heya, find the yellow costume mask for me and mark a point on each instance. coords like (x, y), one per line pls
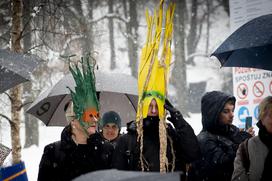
(153, 70)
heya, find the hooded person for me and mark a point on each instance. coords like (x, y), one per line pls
(111, 126)
(81, 149)
(219, 138)
(151, 144)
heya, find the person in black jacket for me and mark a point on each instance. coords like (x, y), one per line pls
(184, 141)
(75, 154)
(219, 138)
(110, 127)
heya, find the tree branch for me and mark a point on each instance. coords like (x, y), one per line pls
(7, 118)
(10, 98)
(24, 104)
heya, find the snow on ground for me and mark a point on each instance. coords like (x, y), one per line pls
(32, 156)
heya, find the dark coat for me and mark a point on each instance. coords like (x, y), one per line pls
(64, 160)
(112, 142)
(218, 143)
(127, 151)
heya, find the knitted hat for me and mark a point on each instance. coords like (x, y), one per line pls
(111, 117)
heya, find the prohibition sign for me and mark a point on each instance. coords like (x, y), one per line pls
(242, 91)
(258, 89)
(270, 87)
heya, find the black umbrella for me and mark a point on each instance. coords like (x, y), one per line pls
(15, 68)
(248, 46)
(118, 175)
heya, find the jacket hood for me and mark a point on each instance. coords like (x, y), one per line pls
(212, 103)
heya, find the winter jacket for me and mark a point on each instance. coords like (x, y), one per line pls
(218, 143)
(253, 160)
(65, 160)
(127, 151)
(257, 153)
(112, 142)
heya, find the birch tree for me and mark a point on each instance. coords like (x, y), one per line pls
(16, 92)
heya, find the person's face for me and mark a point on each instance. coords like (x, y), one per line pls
(267, 121)
(153, 108)
(110, 131)
(89, 120)
(92, 125)
(227, 114)
(91, 129)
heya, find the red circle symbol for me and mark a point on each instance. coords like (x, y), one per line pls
(242, 91)
(258, 89)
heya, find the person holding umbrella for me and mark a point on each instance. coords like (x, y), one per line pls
(81, 149)
(111, 126)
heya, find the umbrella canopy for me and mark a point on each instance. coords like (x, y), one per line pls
(117, 92)
(248, 46)
(118, 175)
(4, 152)
(15, 68)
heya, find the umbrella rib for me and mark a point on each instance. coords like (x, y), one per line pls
(131, 102)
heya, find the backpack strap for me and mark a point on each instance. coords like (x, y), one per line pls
(245, 155)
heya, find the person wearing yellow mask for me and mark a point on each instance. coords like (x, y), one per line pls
(151, 144)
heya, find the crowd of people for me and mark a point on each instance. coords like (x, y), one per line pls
(159, 139)
(211, 155)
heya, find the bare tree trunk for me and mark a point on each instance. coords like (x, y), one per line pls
(225, 4)
(192, 36)
(5, 19)
(208, 4)
(90, 37)
(31, 124)
(179, 70)
(111, 36)
(132, 35)
(87, 27)
(16, 93)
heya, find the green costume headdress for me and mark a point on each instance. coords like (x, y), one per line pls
(85, 102)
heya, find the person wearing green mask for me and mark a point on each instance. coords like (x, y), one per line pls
(81, 148)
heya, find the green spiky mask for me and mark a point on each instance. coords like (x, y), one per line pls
(85, 102)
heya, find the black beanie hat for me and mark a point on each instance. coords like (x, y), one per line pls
(111, 117)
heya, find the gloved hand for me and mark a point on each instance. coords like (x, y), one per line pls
(175, 116)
